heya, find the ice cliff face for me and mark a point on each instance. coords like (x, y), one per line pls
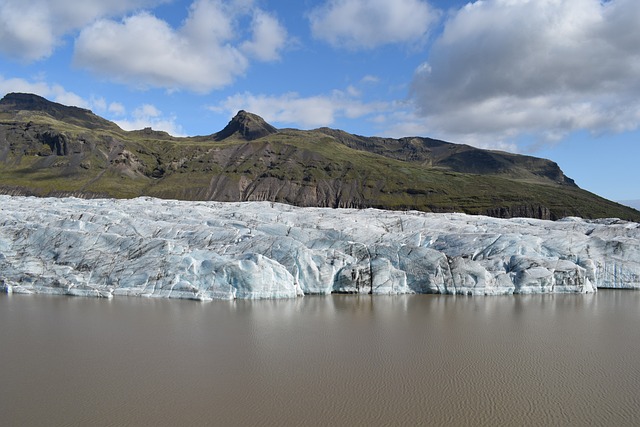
(207, 250)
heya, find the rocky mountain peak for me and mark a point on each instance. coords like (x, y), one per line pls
(31, 102)
(16, 102)
(23, 101)
(247, 126)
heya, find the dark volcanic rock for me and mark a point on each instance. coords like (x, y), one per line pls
(246, 125)
(75, 115)
(31, 102)
(527, 211)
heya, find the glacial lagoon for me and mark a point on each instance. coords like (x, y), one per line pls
(554, 359)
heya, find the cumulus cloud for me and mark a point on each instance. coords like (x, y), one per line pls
(506, 68)
(117, 109)
(31, 29)
(403, 121)
(394, 119)
(148, 115)
(268, 37)
(207, 52)
(52, 92)
(368, 24)
(308, 112)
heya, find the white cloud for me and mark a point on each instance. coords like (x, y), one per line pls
(53, 92)
(98, 104)
(117, 109)
(505, 68)
(370, 79)
(57, 93)
(207, 52)
(31, 29)
(308, 112)
(392, 119)
(148, 115)
(404, 122)
(268, 37)
(367, 24)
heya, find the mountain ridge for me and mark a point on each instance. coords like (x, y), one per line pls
(48, 149)
(76, 115)
(246, 125)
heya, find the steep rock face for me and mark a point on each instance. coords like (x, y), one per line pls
(206, 250)
(526, 211)
(246, 126)
(324, 193)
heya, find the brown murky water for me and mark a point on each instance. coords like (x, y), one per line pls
(338, 360)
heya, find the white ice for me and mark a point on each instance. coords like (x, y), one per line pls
(211, 250)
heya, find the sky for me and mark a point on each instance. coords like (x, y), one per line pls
(558, 79)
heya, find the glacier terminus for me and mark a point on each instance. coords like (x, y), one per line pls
(212, 250)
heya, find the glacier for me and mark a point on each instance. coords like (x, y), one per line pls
(212, 250)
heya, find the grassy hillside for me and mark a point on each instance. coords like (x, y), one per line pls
(50, 149)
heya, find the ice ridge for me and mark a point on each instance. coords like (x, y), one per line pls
(212, 250)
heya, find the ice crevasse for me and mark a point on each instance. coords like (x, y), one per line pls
(212, 250)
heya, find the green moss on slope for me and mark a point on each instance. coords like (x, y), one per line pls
(46, 154)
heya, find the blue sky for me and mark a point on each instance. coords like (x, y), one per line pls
(553, 78)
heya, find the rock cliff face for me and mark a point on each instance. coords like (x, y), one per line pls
(526, 211)
(48, 149)
(206, 250)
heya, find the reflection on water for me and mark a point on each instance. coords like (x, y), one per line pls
(336, 360)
